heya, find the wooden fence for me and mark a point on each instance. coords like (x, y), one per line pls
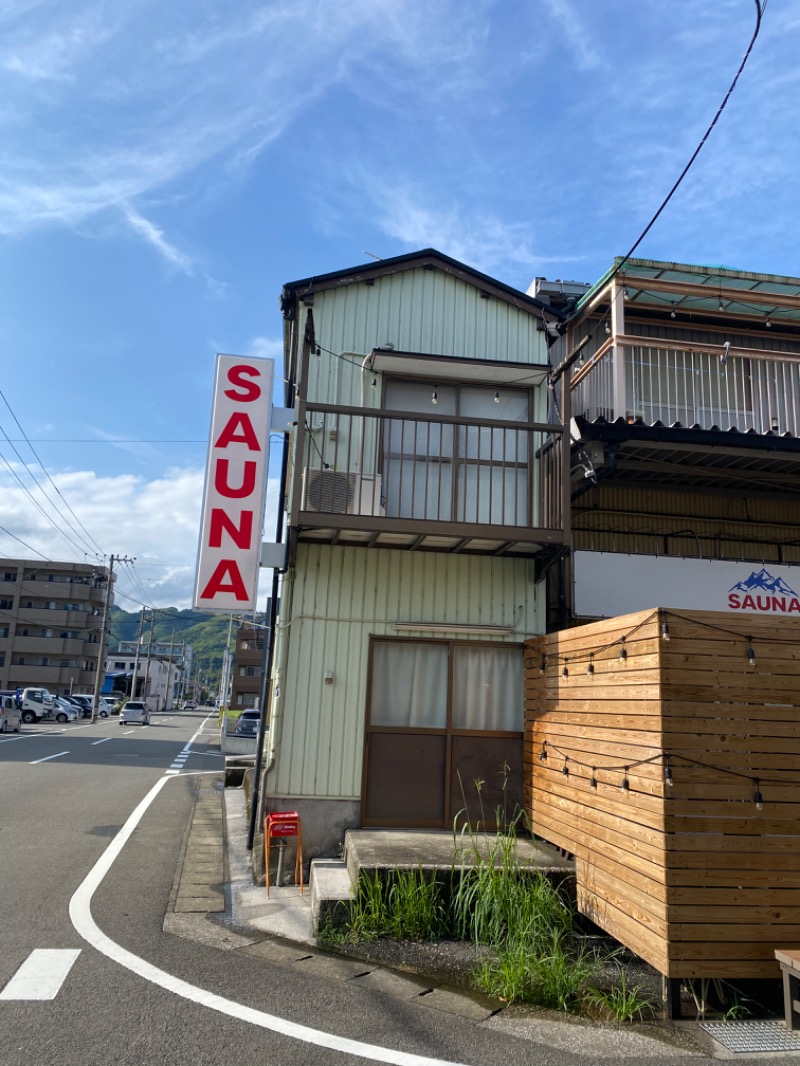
(662, 750)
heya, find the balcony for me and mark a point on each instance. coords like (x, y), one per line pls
(706, 416)
(390, 479)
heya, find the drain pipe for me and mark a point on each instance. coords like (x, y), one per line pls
(269, 643)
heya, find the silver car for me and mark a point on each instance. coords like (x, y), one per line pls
(64, 711)
(10, 716)
(134, 712)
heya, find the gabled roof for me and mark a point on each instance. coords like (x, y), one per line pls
(427, 259)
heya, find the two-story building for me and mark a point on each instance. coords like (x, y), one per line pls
(427, 492)
(682, 388)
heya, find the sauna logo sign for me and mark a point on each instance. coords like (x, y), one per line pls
(763, 592)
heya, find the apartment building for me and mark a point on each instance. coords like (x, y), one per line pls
(51, 617)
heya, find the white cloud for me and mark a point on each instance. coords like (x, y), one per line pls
(577, 34)
(154, 236)
(156, 522)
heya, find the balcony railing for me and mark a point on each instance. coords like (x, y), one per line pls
(385, 470)
(708, 386)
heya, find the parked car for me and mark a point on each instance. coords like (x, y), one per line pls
(10, 714)
(64, 711)
(134, 712)
(247, 724)
(190, 705)
(35, 704)
(76, 703)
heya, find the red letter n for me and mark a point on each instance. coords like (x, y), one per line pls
(241, 535)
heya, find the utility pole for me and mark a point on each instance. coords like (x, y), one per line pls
(101, 652)
(168, 700)
(149, 656)
(136, 657)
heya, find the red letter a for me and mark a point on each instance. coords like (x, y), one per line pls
(235, 585)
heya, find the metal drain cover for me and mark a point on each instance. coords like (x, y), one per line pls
(753, 1036)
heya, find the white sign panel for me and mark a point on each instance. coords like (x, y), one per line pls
(236, 476)
(608, 584)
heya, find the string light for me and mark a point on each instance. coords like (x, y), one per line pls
(751, 655)
(672, 312)
(565, 671)
(623, 651)
(667, 771)
(665, 630)
(593, 781)
(565, 771)
(758, 799)
(543, 752)
(721, 304)
(590, 666)
(373, 383)
(497, 396)
(435, 397)
(543, 664)
(767, 322)
(625, 786)
(608, 327)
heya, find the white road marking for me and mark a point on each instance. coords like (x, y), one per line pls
(47, 758)
(41, 974)
(127, 731)
(95, 742)
(80, 912)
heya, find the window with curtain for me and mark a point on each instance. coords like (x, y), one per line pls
(410, 686)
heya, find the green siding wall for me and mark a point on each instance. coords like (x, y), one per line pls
(331, 604)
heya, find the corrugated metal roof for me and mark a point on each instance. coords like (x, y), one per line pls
(773, 295)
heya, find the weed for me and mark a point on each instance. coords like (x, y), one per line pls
(624, 1002)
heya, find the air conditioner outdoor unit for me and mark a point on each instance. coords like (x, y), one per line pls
(338, 492)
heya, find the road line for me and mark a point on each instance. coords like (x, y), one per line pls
(47, 758)
(80, 912)
(127, 731)
(41, 974)
(94, 742)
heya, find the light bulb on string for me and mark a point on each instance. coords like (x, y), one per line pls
(758, 799)
(543, 752)
(543, 664)
(667, 771)
(435, 397)
(590, 665)
(565, 771)
(767, 322)
(625, 785)
(623, 651)
(497, 396)
(751, 655)
(608, 327)
(373, 383)
(665, 630)
(593, 780)
(672, 311)
(565, 671)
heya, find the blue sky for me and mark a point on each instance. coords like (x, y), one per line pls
(164, 168)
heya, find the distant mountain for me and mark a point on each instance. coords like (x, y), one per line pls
(206, 632)
(763, 579)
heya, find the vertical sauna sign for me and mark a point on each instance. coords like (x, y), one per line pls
(235, 485)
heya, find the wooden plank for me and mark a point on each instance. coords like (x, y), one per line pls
(745, 916)
(735, 896)
(641, 939)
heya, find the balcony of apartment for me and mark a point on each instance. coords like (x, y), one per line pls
(50, 646)
(711, 404)
(433, 482)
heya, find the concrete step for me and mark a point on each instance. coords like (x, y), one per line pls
(330, 886)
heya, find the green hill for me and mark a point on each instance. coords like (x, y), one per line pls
(207, 633)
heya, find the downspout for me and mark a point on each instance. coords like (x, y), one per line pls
(269, 646)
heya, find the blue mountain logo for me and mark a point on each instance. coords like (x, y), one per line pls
(763, 580)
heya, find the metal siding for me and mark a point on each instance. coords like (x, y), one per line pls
(342, 596)
(637, 522)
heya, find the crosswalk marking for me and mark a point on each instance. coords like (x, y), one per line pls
(41, 974)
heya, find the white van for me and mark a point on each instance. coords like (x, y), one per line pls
(10, 715)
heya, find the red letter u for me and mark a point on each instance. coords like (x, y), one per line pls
(222, 485)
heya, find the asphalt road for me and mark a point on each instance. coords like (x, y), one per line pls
(65, 795)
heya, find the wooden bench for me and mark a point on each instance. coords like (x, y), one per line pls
(789, 958)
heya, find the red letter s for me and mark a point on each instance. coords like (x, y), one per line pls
(251, 391)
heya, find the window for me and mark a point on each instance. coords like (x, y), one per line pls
(4, 631)
(248, 699)
(68, 662)
(410, 687)
(6, 605)
(450, 472)
(119, 666)
(47, 632)
(249, 671)
(2, 658)
(10, 575)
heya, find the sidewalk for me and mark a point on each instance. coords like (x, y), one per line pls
(214, 901)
